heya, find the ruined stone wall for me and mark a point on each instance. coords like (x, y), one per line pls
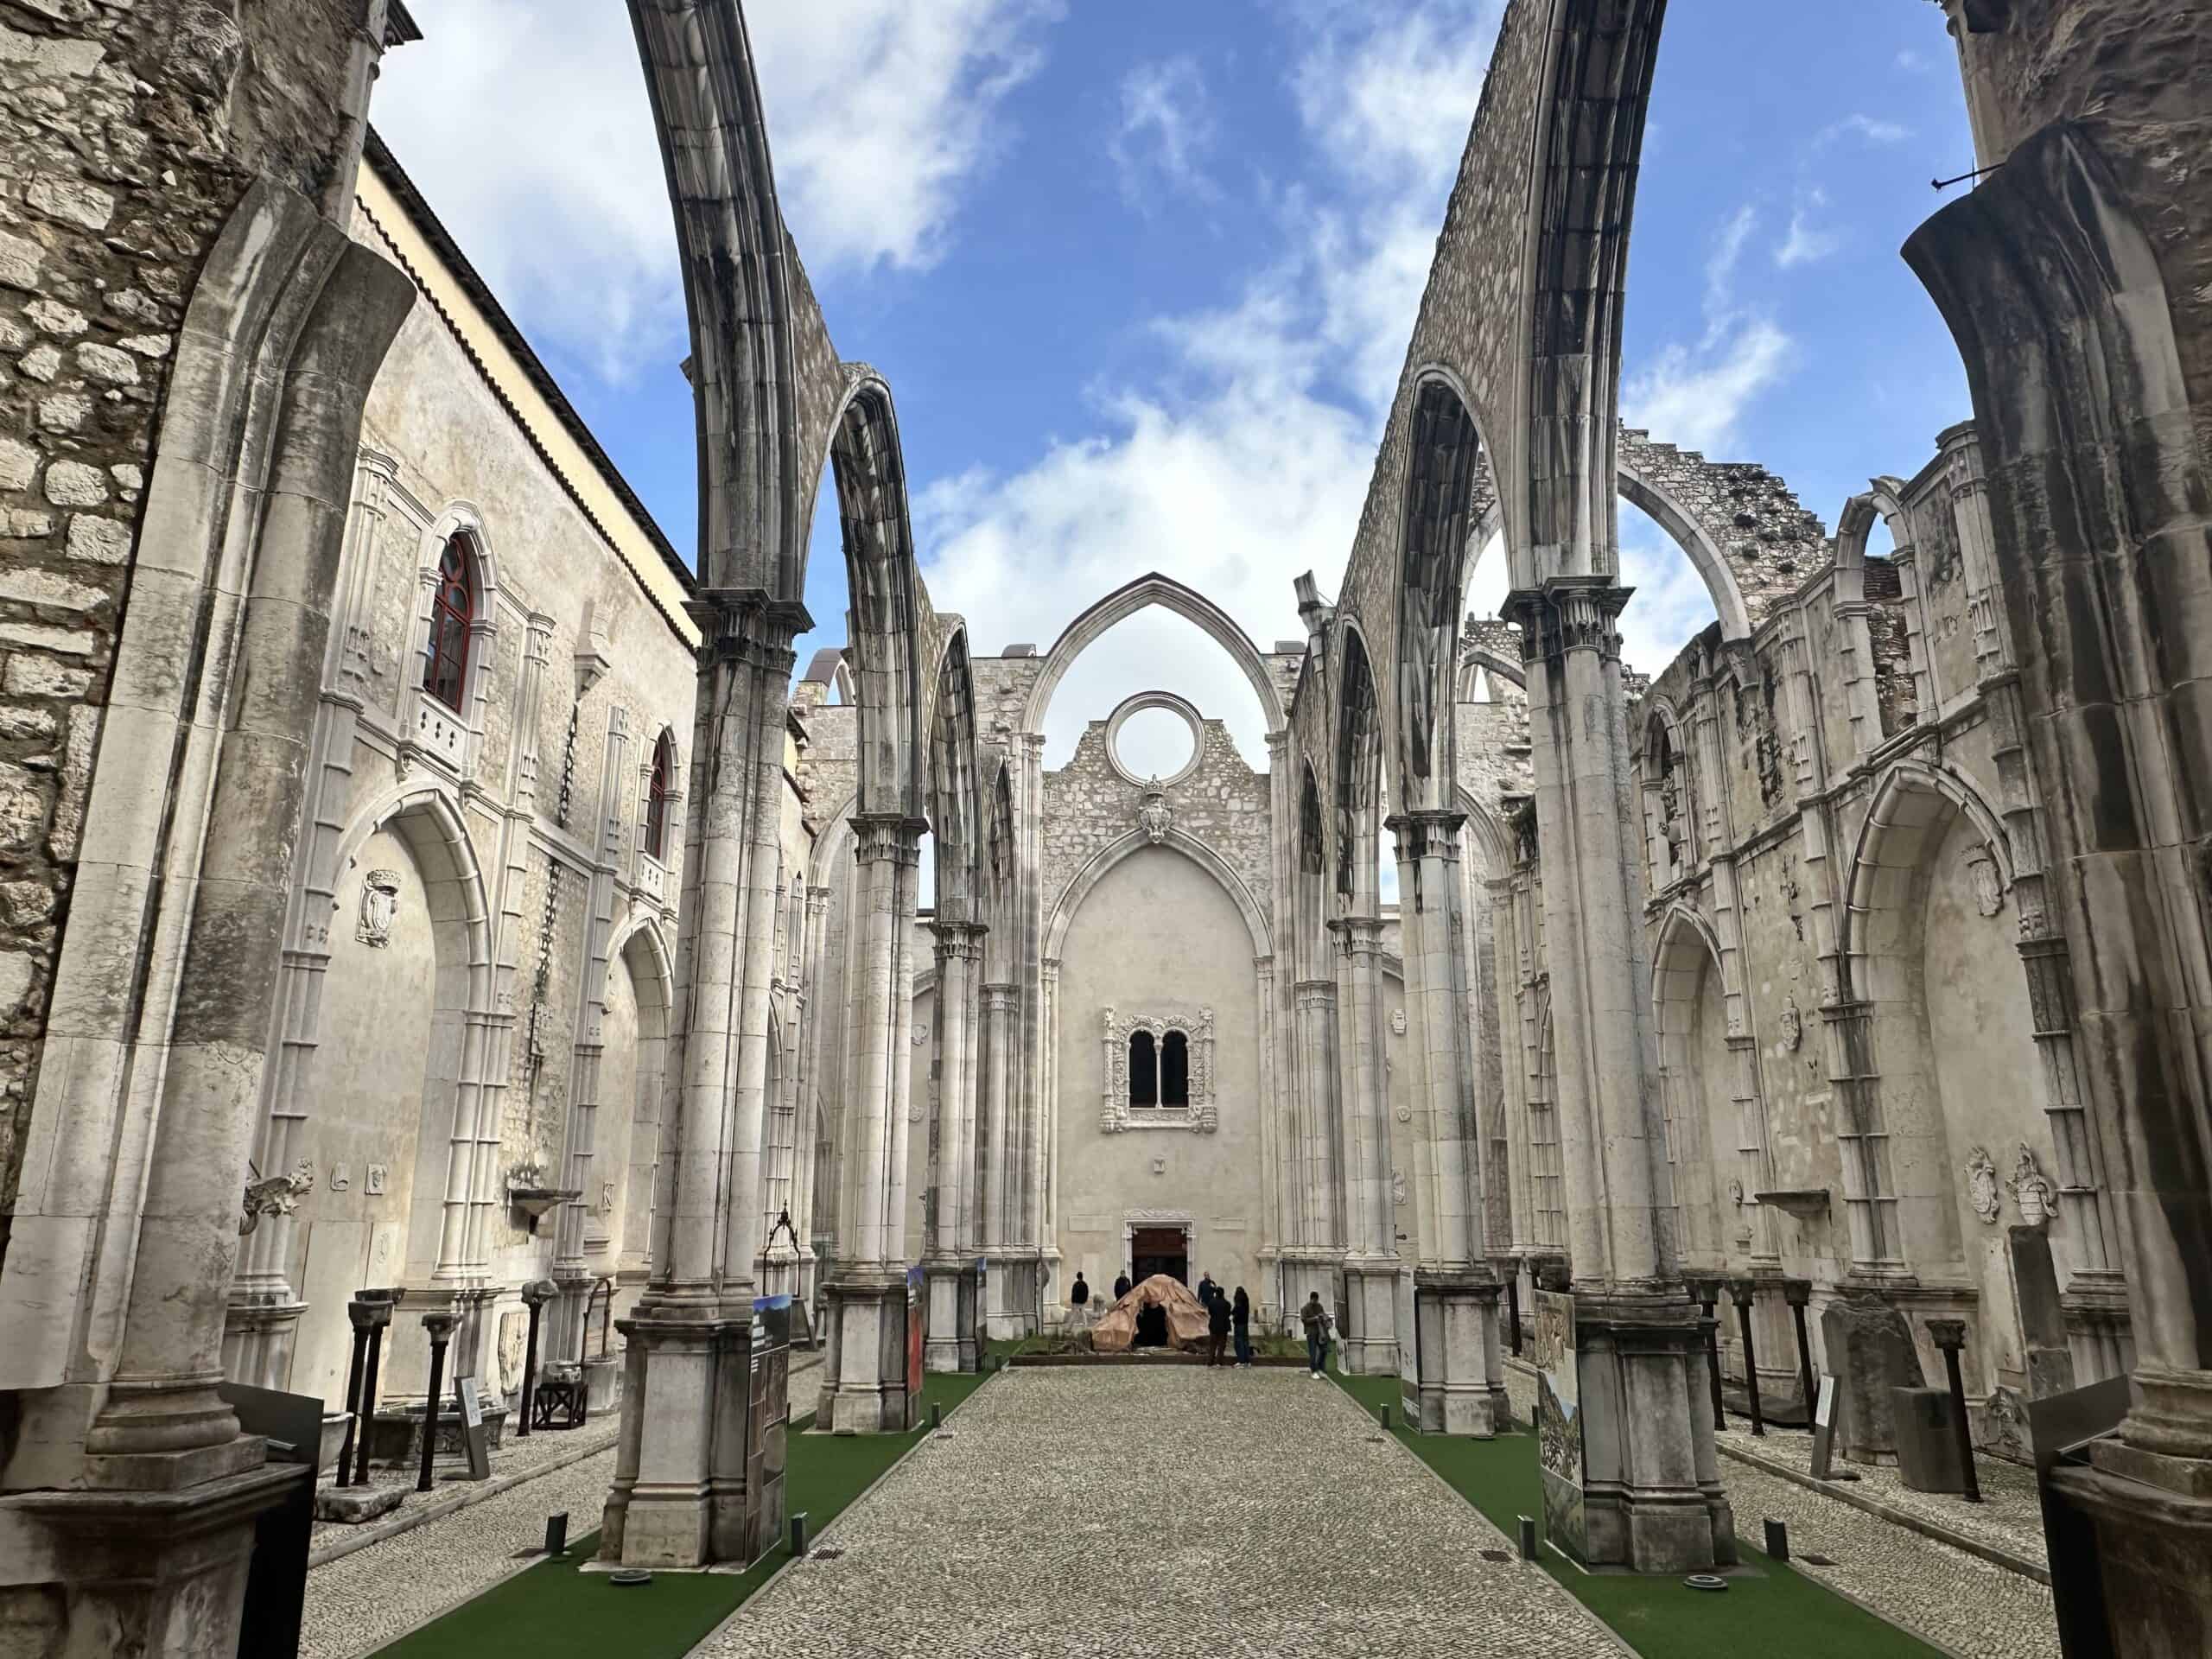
(127, 135)
(1771, 542)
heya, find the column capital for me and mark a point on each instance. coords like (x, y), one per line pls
(895, 837)
(1360, 936)
(1565, 613)
(748, 626)
(1427, 832)
(963, 941)
(1002, 999)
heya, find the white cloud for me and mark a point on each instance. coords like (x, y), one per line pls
(1912, 62)
(1806, 241)
(1696, 397)
(1248, 461)
(1166, 128)
(526, 124)
(1727, 251)
(1872, 129)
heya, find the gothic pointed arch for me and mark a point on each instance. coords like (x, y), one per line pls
(1146, 591)
(956, 802)
(1357, 740)
(1136, 840)
(1443, 449)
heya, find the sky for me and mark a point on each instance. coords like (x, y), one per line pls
(1141, 275)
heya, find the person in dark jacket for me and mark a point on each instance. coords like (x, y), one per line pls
(1121, 1286)
(1217, 1320)
(1240, 1321)
(1079, 1293)
(1315, 1319)
(1207, 1290)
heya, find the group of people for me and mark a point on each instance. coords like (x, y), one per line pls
(1231, 1315)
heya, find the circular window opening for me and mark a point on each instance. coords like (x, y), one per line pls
(1154, 743)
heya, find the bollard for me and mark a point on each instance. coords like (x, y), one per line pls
(1527, 1538)
(1383, 1414)
(798, 1533)
(1777, 1539)
(937, 1415)
(556, 1533)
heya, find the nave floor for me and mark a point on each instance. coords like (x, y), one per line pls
(1165, 1512)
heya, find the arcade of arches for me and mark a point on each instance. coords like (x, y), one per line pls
(510, 912)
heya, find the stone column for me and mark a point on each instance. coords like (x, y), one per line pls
(952, 1315)
(1456, 1329)
(864, 1384)
(1002, 1007)
(681, 1496)
(1650, 1502)
(1371, 1336)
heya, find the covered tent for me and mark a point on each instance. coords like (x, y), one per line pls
(1186, 1317)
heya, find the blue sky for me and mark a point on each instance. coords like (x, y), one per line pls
(1141, 275)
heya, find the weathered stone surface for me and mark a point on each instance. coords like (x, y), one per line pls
(42, 676)
(107, 364)
(1926, 1443)
(49, 590)
(1869, 1347)
(69, 642)
(46, 54)
(65, 411)
(22, 809)
(72, 200)
(73, 484)
(41, 363)
(100, 541)
(351, 1505)
(18, 465)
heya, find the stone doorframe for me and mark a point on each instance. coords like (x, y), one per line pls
(1133, 1220)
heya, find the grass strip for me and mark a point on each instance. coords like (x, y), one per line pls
(556, 1608)
(1782, 1613)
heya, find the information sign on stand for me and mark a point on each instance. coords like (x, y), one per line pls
(1824, 1430)
(471, 1428)
(1558, 1421)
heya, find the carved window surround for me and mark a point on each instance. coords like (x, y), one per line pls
(1116, 1115)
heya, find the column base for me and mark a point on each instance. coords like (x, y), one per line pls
(2149, 1519)
(1011, 1295)
(1652, 1500)
(259, 1332)
(1455, 1386)
(951, 1344)
(1369, 1344)
(139, 1574)
(708, 1486)
(865, 1376)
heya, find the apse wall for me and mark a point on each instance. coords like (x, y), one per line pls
(1158, 936)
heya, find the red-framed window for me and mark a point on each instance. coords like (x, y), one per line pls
(453, 609)
(657, 790)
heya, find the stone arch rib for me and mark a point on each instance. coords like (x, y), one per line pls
(1443, 451)
(884, 584)
(1146, 591)
(1136, 840)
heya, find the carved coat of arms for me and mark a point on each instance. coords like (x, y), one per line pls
(380, 904)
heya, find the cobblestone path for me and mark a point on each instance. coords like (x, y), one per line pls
(1160, 1512)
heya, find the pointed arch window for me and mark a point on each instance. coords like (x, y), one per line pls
(453, 616)
(659, 786)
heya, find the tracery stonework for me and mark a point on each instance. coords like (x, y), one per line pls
(1116, 1112)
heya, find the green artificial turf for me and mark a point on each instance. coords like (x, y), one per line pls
(554, 1607)
(1778, 1611)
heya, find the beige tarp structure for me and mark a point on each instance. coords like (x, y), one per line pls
(1186, 1320)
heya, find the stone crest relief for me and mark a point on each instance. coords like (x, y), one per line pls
(1397, 1186)
(1793, 1025)
(1981, 1186)
(1155, 817)
(379, 905)
(1982, 875)
(2033, 1192)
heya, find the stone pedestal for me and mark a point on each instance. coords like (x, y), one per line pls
(864, 1373)
(951, 1344)
(1456, 1387)
(681, 1497)
(1870, 1348)
(1370, 1346)
(1928, 1445)
(135, 1575)
(1652, 1497)
(2154, 1547)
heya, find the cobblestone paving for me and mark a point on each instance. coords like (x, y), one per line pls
(1116, 1512)
(513, 1457)
(363, 1600)
(2009, 1516)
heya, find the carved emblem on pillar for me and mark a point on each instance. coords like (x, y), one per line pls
(1793, 1025)
(1981, 1185)
(1397, 1186)
(379, 906)
(1988, 884)
(2031, 1191)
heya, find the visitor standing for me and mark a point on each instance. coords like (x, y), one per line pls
(1239, 1319)
(1315, 1319)
(1080, 1292)
(1217, 1328)
(1207, 1289)
(1121, 1287)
